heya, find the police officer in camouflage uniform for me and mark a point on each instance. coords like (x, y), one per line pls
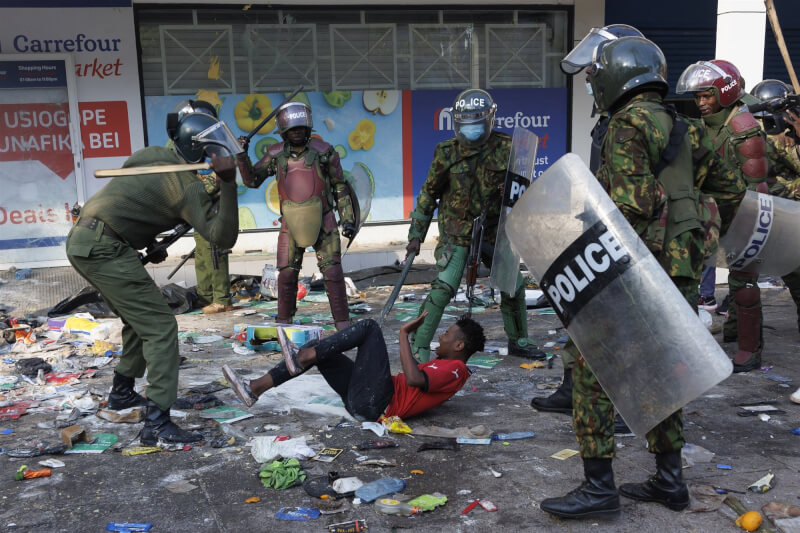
(784, 165)
(127, 215)
(628, 80)
(718, 90)
(465, 180)
(213, 284)
(311, 184)
(573, 63)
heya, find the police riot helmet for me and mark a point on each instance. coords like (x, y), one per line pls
(625, 65)
(580, 57)
(183, 135)
(765, 91)
(718, 76)
(473, 117)
(293, 115)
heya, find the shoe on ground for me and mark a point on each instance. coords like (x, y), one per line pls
(723, 307)
(214, 308)
(795, 397)
(123, 395)
(525, 348)
(751, 364)
(241, 387)
(709, 303)
(158, 427)
(290, 351)
(596, 497)
(560, 401)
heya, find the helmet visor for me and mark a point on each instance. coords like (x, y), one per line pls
(218, 137)
(580, 57)
(699, 77)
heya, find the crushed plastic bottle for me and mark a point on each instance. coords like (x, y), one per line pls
(513, 435)
(389, 506)
(381, 487)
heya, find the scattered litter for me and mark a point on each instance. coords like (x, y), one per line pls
(375, 427)
(348, 527)
(140, 450)
(750, 521)
(443, 444)
(225, 414)
(487, 505)
(102, 442)
(281, 475)
(466, 432)
(52, 463)
(41, 448)
(465, 440)
(126, 527)
(495, 473)
(796, 431)
(390, 506)
(395, 424)
(377, 444)
(73, 434)
(724, 467)
(131, 415)
(197, 401)
(483, 361)
(253, 499)
(564, 454)
(243, 350)
(777, 378)
(379, 462)
(532, 365)
(470, 507)
(297, 514)
(7, 431)
(704, 498)
(516, 435)
(763, 417)
(381, 487)
(693, 454)
(776, 510)
(266, 449)
(464, 492)
(344, 485)
(763, 484)
(327, 455)
(180, 487)
(26, 473)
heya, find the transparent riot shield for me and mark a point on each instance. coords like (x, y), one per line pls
(520, 174)
(642, 340)
(764, 236)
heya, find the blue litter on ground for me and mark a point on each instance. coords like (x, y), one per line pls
(725, 467)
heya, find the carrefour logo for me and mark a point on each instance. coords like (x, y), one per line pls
(443, 120)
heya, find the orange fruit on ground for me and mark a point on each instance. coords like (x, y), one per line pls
(749, 521)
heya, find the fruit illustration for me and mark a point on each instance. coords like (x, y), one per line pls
(271, 196)
(263, 144)
(212, 97)
(299, 97)
(341, 150)
(337, 98)
(246, 218)
(251, 111)
(383, 102)
(363, 137)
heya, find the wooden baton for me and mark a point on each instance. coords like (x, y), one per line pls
(155, 169)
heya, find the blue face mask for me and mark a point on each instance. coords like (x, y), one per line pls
(472, 132)
(207, 171)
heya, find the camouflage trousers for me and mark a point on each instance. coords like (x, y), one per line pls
(593, 412)
(213, 285)
(730, 327)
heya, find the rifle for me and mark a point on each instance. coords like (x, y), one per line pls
(474, 258)
(158, 249)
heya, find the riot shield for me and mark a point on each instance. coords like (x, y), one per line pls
(647, 347)
(520, 174)
(764, 236)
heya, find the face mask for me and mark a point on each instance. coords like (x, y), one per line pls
(589, 89)
(207, 171)
(472, 132)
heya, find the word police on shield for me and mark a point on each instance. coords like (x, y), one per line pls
(516, 187)
(584, 269)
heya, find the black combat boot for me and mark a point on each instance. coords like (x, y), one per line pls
(526, 349)
(122, 394)
(561, 400)
(159, 427)
(595, 497)
(665, 487)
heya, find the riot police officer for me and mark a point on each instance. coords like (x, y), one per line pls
(310, 184)
(127, 215)
(465, 181)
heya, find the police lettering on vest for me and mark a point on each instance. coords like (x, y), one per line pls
(758, 239)
(583, 269)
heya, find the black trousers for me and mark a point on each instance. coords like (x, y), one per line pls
(365, 384)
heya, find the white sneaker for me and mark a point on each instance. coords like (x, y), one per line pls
(795, 397)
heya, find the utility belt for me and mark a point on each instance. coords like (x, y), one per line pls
(92, 223)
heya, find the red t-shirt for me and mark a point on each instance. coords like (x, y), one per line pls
(445, 378)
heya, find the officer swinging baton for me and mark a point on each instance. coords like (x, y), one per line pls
(158, 169)
(397, 287)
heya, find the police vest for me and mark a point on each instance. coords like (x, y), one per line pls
(675, 173)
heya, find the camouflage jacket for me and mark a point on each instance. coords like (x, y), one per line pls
(632, 148)
(461, 183)
(784, 169)
(726, 141)
(318, 155)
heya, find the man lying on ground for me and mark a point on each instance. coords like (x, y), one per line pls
(366, 385)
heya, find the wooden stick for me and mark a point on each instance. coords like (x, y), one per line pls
(776, 29)
(155, 169)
